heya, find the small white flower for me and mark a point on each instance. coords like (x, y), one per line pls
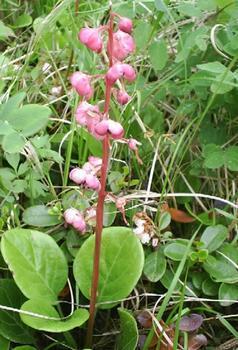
(139, 230)
(145, 238)
(155, 242)
(139, 222)
(56, 90)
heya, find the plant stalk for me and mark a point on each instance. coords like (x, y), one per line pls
(101, 199)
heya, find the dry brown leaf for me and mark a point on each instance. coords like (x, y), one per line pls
(178, 215)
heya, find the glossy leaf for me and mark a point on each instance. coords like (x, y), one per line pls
(4, 343)
(121, 265)
(11, 326)
(220, 269)
(42, 307)
(38, 264)
(38, 215)
(190, 323)
(228, 292)
(214, 236)
(155, 266)
(175, 251)
(129, 335)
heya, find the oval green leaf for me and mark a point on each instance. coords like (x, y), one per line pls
(128, 338)
(13, 142)
(39, 267)
(121, 264)
(41, 307)
(38, 215)
(214, 236)
(228, 292)
(155, 266)
(175, 251)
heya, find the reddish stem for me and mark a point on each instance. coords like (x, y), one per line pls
(101, 199)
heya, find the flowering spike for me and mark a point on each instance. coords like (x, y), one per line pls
(81, 83)
(125, 24)
(91, 38)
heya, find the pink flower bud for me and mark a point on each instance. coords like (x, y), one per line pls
(123, 45)
(79, 223)
(93, 182)
(114, 73)
(132, 144)
(116, 130)
(95, 161)
(125, 24)
(122, 97)
(101, 128)
(87, 167)
(78, 175)
(91, 38)
(128, 72)
(70, 215)
(81, 83)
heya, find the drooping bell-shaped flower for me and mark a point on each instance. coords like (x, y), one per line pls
(81, 83)
(92, 182)
(91, 37)
(74, 217)
(119, 70)
(122, 97)
(78, 175)
(123, 45)
(115, 129)
(125, 24)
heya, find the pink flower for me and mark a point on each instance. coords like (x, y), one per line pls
(91, 38)
(82, 112)
(119, 70)
(132, 144)
(115, 129)
(92, 182)
(81, 83)
(123, 45)
(114, 73)
(79, 223)
(95, 161)
(101, 128)
(125, 24)
(78, 175)
(128, 72)
(122, 97)
(70, 215)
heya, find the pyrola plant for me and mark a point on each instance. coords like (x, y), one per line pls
(115, 41)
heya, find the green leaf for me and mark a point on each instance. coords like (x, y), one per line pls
(158, 54)
(5, 31)
(231, 158)
(42, 307)
(155, 266)
(38, 215)
(22, 21)
(129, 335)
(228, 292)
(109, 214)
(220, 269)
(213, 67)
(11, 326)
(4, 343)
(141, 40)
(164, 220)
(29, 119)
(12, 104)
(214, 156)
(175, 251)
(161, 5)
(38, 264)
(121, 264)
(13, 143)
(209, 287)
(5, 128)
(189, 10)
(214, 236)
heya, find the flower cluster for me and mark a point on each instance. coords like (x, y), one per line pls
(87, 175)
(80, 220)
(145, 229)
